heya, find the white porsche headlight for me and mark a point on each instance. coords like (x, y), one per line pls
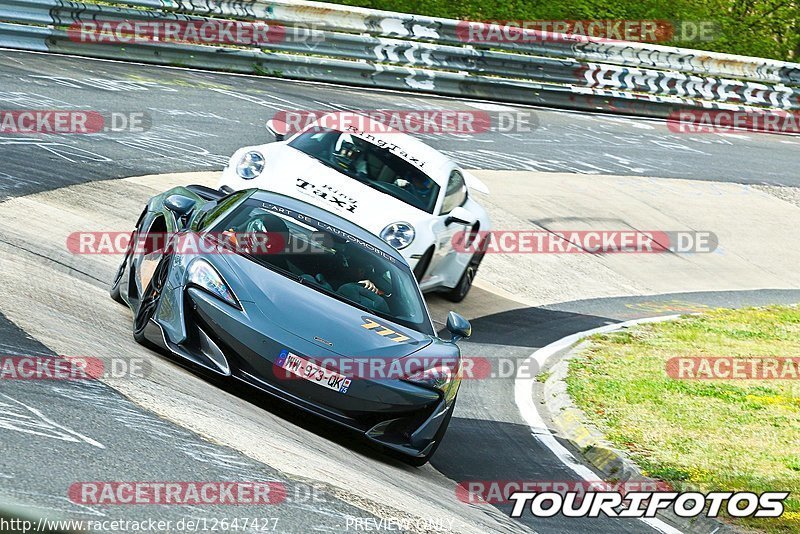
(201, 274)
(250, 166)
(398, 234)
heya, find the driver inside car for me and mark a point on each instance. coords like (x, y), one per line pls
(417, 184)
(364, 284)
(360, 270)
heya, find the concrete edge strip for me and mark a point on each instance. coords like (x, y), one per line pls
(595, 448)
(523, 397)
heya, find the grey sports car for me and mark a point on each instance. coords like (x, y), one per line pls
(297, 302)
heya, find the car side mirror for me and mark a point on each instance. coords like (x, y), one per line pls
(460, 215)
(458, 326)
(179, 205)
(277, 129)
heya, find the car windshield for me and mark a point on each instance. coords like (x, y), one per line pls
(378, 167)
(326, 259)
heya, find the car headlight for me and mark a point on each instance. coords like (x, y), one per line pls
(443, 376)
(398, 234)
(250, 165)
(201, 274)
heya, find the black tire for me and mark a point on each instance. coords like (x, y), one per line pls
(459, 293)
(114, 291)
(422, 460)
(151, 297)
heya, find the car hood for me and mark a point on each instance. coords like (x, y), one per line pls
(315, 317)
(293, 173)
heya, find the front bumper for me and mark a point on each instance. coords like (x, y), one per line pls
(395, 413)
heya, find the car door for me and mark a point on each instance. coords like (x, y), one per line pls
(446, 263)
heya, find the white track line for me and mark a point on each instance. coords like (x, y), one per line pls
(523, 396)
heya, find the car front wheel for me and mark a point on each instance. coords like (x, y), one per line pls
(150, 300)
(115, 287)
(459, 293)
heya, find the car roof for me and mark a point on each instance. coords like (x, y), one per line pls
(327, 217)
(435, 164)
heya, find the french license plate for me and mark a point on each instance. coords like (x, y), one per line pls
(312, 372)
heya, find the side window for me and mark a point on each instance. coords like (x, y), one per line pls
(456, 193)
(212, 214)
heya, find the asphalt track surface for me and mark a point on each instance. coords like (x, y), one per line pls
(198, 119)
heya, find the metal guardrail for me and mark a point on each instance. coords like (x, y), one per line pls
(398, 51)
(447, 31)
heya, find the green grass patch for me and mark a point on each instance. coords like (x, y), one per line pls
(725, 435)
(543, 376)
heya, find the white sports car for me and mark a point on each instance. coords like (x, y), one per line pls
(412, 196)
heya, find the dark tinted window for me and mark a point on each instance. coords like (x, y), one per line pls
(456, 193)
(378, 167)
(205, 220)
(327, 259)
